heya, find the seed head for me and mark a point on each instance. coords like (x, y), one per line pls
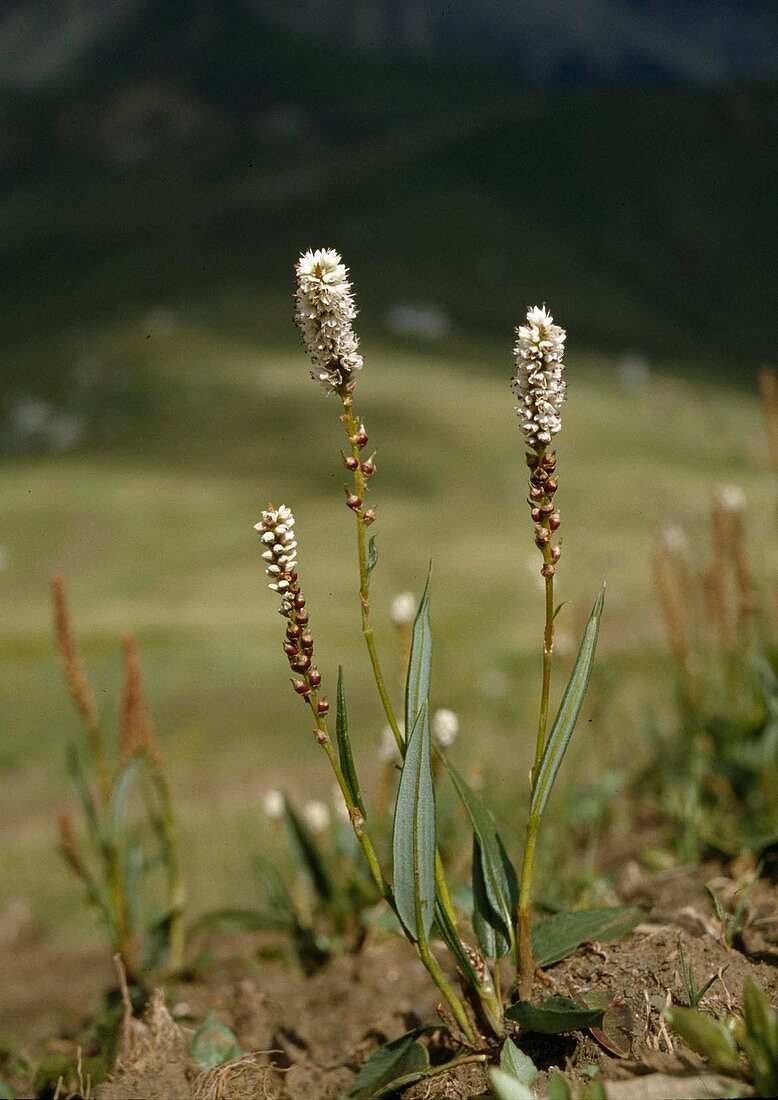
(279, 548)
(324, 313)
(538, 383)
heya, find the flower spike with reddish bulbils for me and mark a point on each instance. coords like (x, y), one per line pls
(324, 313)
(280, 552)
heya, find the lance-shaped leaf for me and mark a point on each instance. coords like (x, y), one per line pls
(85, 794)
(310, 856)
(398, 1063)
(567, 715)
(554, 938)
(413, 840)
(344, 747)
(120, 794)
(417, 685)
(554, 1016)
(495, 890)
(444, 929)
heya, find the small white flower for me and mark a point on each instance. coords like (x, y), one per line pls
(317, 816)
(731, 498)
(674, 539)
(403, 608)
(445, 727)
(388, 751)
(324, 313)
(273, 805)
(279, 546)
(538, 383)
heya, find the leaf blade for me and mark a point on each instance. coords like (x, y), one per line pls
(569, 709)
(390, 1066)
(554, 938)
(413, 835)
(555, 1016)
(417, 684)
(345, 754)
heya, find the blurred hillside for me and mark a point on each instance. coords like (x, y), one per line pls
(155, 152)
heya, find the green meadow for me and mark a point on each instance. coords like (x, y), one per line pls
(150, 519)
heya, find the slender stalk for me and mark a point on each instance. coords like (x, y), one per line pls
(526, 961)
(358, 822)
(360, 483)
(542, 490)
(352, 426)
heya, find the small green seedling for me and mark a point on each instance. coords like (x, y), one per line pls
(692, 992)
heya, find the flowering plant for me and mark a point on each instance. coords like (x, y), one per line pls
(415, 886)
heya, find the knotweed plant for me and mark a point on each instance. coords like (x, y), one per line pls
(414, 883)
(128, 859)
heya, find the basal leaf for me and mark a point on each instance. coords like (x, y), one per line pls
(389, 1067)
(555, 1016)
(495, 889)
(344, 746)
(567, 715)
(417, 685)
(517, 1063)
(489, 926)
(444, 929)
(213, 1044)
(413, 840)
(507, 1087)
(310, 856)
(120, 794)
(554, 938)
(274, 887)
(704, 1035)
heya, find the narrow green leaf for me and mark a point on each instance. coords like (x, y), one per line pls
(344, 746)
(413, 840)
(555, 1016)
(244, 920)
(372, 556)
(443, 929)
(705, 1036)
(567, 715)
(488, 926)
(554, 938)
(84, 792)
(213, 1044)
(120, 794)
(417, 686)
(278, 897)
(390, 1065)
(507, 1087)
(308, 850)
(495, 889)
(518, 1064)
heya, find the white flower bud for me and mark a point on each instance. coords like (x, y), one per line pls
(538, 383)
(273, 805)
(324, 313)
(317, 816)
(403, 608)
(445, 727)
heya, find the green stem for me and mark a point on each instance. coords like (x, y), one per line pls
(526, 962)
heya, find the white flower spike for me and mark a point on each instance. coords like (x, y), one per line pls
(279, 546)
(317, 816)
(538, 382)
(324, 313)
(273, 805)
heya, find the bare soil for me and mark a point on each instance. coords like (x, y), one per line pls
(308, 1036)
